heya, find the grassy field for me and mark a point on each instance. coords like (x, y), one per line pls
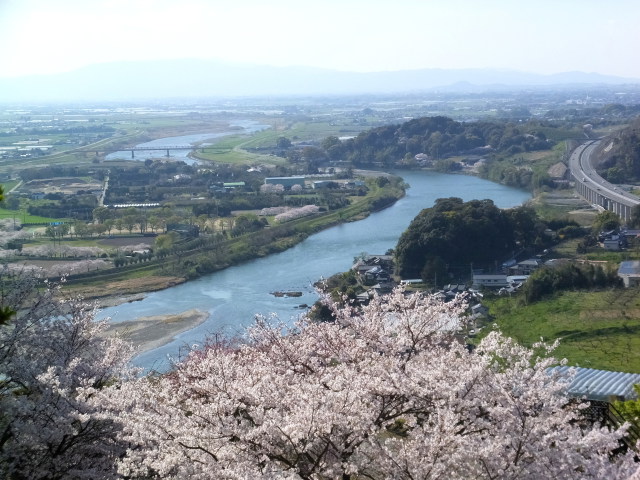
(24, 217)
(596, 329)
(232, 150)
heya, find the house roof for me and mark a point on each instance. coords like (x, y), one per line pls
(629, 267)
(601, 384)
(531, 261)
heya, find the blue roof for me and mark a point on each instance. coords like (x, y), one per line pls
(601, 384)
(629, 267)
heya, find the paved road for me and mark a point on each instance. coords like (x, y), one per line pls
(583, 171)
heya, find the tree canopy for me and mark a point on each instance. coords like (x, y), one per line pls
(440, 137)
(463, 234)
(380, 393)
(383, 391)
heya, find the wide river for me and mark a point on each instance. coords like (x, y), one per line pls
(237, 127)
(235, 295)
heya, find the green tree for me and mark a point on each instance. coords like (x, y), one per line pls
(630, 410)
(130, 222)
(606, 221)
(12, 202)
(283, 142)
(97, 228)
(100, 214)
(80, 228)
(459, 233)
(329, 142)
(109, 224)
(434, 272)
(634, 220)
(164, 243)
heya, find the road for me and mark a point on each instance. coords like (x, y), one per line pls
(595, 188)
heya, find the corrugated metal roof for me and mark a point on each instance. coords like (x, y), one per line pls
(601, 384)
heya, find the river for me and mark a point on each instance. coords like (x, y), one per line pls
(233, 296)
(237, 127)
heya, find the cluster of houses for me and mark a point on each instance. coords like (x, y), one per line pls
(513, 275)
(375, 272)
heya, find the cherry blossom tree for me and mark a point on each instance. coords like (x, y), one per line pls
(273, 211)
(384, 391)
(53, 359)
(271, 188)
(294, 213)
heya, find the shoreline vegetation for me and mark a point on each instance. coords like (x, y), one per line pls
(108, 286)
(148, 333)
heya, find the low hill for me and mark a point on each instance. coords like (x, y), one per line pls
(209, 78)
(620, 156)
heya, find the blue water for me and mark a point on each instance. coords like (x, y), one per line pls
(201, 139)
(233, 296)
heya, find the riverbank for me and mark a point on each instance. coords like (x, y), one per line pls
(235, 295)
(148, 333)
(112, 293)
(108, 286)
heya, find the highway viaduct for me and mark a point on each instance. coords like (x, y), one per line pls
(595, 189)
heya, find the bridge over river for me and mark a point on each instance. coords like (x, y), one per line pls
(595, 189)
(146, 148)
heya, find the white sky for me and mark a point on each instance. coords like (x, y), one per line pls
(539, 36)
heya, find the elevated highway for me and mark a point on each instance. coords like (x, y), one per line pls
(595, 189)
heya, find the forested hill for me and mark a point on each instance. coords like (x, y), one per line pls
(440, 137)
(621, 156)
(455, 236)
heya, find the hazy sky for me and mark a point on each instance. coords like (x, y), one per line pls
(540, 36)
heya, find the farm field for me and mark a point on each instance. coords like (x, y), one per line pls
(596, 329)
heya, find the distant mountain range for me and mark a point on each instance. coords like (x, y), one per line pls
(205, 78)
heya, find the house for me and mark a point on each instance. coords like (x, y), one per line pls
(517, 279)
(354, 184)
(629, 272)
(479, 310)
(526, 267)
(367, 262)
(376, 274)
(630, 237)
(613, 243)
(489, 281)
(455, 287)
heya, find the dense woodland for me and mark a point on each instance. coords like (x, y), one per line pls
(457, 236)
(440, 137)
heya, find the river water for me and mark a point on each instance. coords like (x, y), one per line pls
(240, 127)
(233, 296)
